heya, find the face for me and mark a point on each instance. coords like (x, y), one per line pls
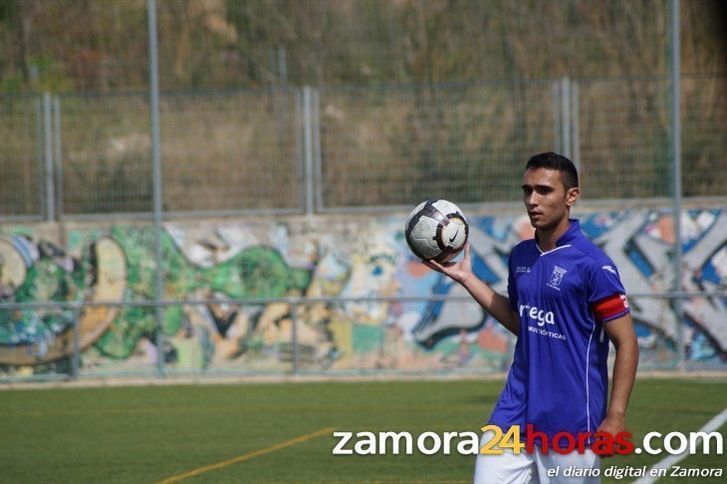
(546, 199)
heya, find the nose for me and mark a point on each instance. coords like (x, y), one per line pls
(531, 200)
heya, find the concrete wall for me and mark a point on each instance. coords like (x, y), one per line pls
(336, 255)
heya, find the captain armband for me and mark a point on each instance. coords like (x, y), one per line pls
(610, 308)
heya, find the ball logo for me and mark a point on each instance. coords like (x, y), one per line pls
(540, 316)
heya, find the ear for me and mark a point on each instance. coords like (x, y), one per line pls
(571, 196)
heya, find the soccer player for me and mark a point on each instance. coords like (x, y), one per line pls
(565, 302)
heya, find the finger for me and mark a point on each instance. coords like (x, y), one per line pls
(433, 265)
(467, 250)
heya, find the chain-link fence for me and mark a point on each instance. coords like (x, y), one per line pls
(82, 154)
(704, 136)
(21, 156)
(354, 147)
(104, 154)
(393, 146)
(624, 138)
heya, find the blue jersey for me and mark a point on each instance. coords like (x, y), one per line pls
(559, 377)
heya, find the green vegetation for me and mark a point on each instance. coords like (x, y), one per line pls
(146, 434)
(101, 45)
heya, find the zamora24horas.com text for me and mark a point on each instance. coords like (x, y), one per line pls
(511, 440)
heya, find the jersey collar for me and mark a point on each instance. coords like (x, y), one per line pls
(574, 230)
(565, 240)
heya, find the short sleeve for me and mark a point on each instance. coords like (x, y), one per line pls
(603, 281)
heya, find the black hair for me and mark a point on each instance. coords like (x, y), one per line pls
(554, 161)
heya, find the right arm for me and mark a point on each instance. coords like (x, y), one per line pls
(495, 304)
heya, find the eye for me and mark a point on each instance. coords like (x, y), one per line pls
(545, 190)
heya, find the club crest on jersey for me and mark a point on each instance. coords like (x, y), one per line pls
(556, 277)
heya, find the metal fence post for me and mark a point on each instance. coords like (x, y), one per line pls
(156, 172)
(318, 174)
(565, 112)
(48, 157)
(294, 337)
(555, 94)
(308, 148)
(575, 139)
(300, 154)
(39, 151)
(676, 149)
(58, 155)
(76, 358)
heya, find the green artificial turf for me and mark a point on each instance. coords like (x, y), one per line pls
(148, 434)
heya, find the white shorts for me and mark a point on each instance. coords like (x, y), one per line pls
(524, 468)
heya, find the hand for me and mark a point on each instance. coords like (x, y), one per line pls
(458, 271)
(613, 425)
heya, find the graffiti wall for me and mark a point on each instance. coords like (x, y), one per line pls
(323, 256)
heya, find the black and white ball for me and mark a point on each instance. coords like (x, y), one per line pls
(436, 230)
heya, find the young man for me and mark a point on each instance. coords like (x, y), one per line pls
(565, 302)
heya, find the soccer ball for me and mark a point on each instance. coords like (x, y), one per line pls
(436, 230)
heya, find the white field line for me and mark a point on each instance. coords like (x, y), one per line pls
(711, 426)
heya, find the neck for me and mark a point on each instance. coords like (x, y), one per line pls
(546, 238)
